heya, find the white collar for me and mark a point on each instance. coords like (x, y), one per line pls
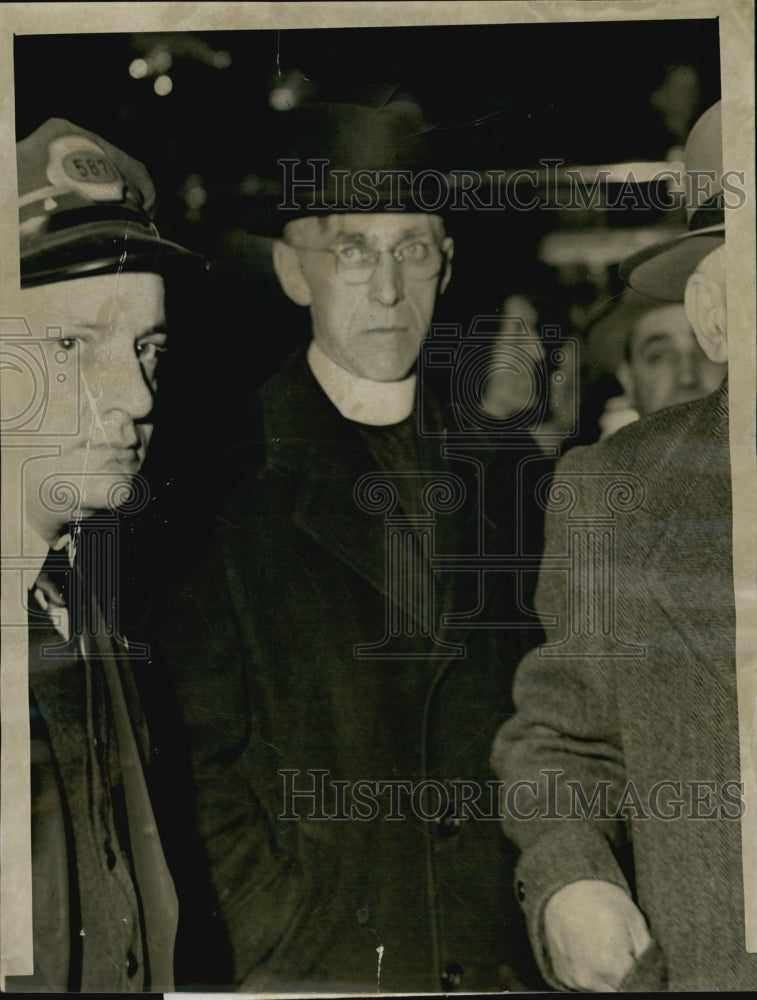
(361, 399)
(36, 550)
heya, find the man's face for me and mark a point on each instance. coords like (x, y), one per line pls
(667, 366)
(112, 328)
(372, 329)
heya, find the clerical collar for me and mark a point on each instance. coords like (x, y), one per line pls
(377, 404)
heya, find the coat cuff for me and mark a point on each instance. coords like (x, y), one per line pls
(568, 852)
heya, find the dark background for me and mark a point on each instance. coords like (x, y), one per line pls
(494, 97)
(507, 94)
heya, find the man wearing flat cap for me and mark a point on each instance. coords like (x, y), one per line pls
(346, 688)
(627, 728)
(92, 289)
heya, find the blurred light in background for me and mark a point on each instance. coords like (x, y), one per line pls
(676, 100)
(138, 69)
(288, 90)
(161, 60)
(157, 58)
(602, 247)
(163, 85)
(195, 196)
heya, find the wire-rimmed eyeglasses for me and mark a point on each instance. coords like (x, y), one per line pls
(419, 260)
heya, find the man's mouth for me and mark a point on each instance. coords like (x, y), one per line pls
(125, 456)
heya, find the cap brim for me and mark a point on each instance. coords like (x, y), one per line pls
(662, 270)
(103, 248)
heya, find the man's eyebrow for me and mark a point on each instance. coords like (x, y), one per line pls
(655, 337)
(84, 324)
(342, 234)
(415, 231)
(95, 327)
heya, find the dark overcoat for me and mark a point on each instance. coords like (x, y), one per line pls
(103, 902)
(296, 665)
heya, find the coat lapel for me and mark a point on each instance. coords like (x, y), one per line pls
(57, 684)
(326, 459)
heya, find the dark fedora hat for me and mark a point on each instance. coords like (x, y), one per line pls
(86, 208)
(336, 157)
(662, 270)
(608, 334)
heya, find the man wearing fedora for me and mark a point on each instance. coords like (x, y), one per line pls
(650, 348)
(92, 288)
(341, 688)
(627, 734)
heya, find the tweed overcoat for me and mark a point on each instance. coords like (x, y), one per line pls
(633, 698)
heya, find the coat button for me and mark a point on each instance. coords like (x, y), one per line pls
(452, 977)
(520, 890)
(131, 965)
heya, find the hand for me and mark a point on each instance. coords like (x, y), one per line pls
(594, 934)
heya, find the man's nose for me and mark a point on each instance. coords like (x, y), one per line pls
(386, 280)
(125, 388)
(687, 370)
